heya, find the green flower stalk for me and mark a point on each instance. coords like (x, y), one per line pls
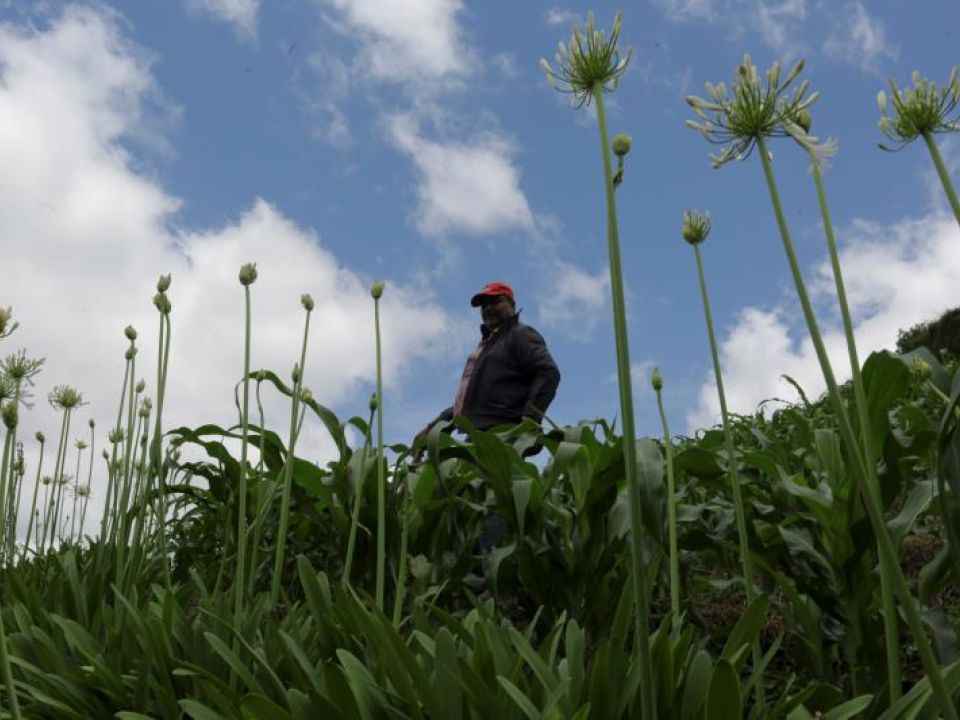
(376, 292)
(923, 111)
(586, 68)
(745, 123)
(115, 436)
(9, 415)
(66, 399)
(81, 446)
(247, 276)
(298, 371)
(891, 622)
(41, 439)
(157, 472)
(695, 230)
(360, 478)
(656, 381)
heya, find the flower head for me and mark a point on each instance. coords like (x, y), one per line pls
(64, 397)
(9, 415)
(920, 110)
(131, 332)
(753, 109)
(141, 386)
(80, 445)
(376, 290)
(621, 144)
(163, 284)
(41, 438)
(248, 274)
(19, 368)
(696, 226)
(590, 63)
(6, 326)
(130, 353)
(656, 380)
(307, 301)
(162, 303)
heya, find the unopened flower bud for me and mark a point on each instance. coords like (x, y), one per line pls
(803, 119)
(106, 455)
(621, 144)
(374, 404)
(131, 353)
(306, 395)
(921, 368)
(296, 374)
(10, 415)
(248, 274)
(307, 302)
(140, 386)
(91, 423)
(162, 303)
(656, 380)
(130, 332)
(696, 227)
(163, 284)
(376, 290)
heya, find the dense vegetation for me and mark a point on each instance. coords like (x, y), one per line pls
(798, 564)
(940, 334)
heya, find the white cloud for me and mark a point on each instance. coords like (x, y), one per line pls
(562, 16)
(87, 236)
(780, 24)
(858, 38)
(688, 9)
(240, 14)
(472, 188)
(895, 276)
(415, 42)
(574, 300)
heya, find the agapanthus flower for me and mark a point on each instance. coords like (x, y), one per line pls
(64, 397)
(920, 110)
(589, 63)
(696, 226)
(755, 108)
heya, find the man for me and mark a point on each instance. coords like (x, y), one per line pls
(510, 376)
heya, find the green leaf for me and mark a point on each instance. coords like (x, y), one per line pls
(234, 661)
(885, 379)
(198, 711)
(258, 707)
(919, 499)
(696, 686)
(747, 628)
(723, 698)
(521, 700)
(849, 709)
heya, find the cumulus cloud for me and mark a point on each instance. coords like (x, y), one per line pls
(463, 187)
(574, 300)
(688, 9)
(562, 16)
(859, 38)
(87, 234)
(240, 14)
(413, 42)
(881, 265)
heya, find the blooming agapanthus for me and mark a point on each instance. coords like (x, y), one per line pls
(589, 63)
(920, 110)
(755, 108)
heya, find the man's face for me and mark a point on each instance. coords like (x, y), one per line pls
(495, 310)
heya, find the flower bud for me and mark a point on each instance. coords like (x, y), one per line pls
(140, 386)
(803, 119)
(921, 368)
(106, 455)
(307, 302)
(374, 404)
(376, 290)
(10, 415)
(41, 438)
(621, 144)
(248, 274)
(116, 436)
(696, 227)
(91, 423)
(296, 374)
(130, 332)
(656, 380)
(162, 303)
(131, 353)
(163, 284)
(306, 395)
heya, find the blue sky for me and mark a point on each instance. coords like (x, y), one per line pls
(338, 141)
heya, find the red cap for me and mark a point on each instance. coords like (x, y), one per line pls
(492, 289)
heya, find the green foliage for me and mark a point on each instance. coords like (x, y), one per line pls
(935, 335)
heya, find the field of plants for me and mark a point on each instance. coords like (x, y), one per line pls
(796, 563)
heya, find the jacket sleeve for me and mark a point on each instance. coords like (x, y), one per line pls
(536, 360)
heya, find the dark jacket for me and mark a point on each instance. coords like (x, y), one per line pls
(515, 378)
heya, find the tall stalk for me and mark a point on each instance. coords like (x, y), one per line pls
(9, 416)
(657, 382)
(41, 439)
(157, 472)
(298, 371)
(360, 478)
(871, 492)
(247, 276)
(108, 519)
(81, 446)
(891, 624)
(943, 174)
(376, 291)
(739, 507)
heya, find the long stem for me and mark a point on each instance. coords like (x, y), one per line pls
(238, 581)
(59, 476)
(942, 172)
(671, 514)
(156, 449)
(288, 471)
(76, 486)
(264, 503)
(33, 504)
(381, 479)
(4, 658)
(891, 624)
(872, 500)
(647, 689)
(108, 519)
(739, 507)
(360, 478)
